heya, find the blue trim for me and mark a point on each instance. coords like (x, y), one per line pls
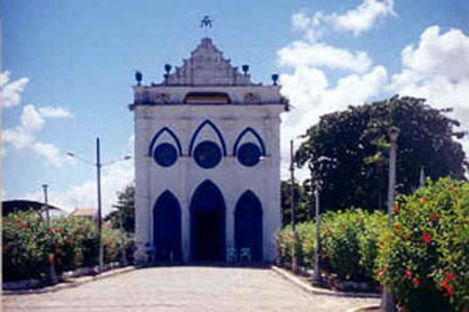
(207, 223)
(167, 227)
(249, 225)
(165, 154)
(199, 128)
(157, 135)
(258, 137)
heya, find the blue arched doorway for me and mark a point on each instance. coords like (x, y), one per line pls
(207, 223)
(167, 228)
(248, 224)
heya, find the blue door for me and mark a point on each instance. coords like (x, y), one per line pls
(167, 228)
(248, 225)
(207, 223)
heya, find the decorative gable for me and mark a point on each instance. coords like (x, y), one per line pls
(207, 67)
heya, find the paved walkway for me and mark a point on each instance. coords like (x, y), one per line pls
(184, 289)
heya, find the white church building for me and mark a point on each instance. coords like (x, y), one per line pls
(207, 162)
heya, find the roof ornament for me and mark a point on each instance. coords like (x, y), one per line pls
(206, 22)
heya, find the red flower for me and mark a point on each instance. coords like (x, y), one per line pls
(416, 282)
(379, 273)
(59, 231)
(51, 259)
(426, 238)
(434, 217)
(408, 273)
(51, 231)
(57, 250)
(445, 286)
(450, 276)
(20, 225)
(395, 208)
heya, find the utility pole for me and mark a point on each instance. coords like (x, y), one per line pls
(98, 166)
(317, 268)
(422, 176)
(387, 301)
(100, 221)
(52, 275)
(292, 205)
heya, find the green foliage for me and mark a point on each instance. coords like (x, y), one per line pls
(70, 243)
(25, 241)
(425, 256)
(349, 243)
(306, 234)
(125, 210)
(356, 145)
(301, 201)
(284, 242)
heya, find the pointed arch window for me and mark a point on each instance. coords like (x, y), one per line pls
(249, 153)
(165, 154)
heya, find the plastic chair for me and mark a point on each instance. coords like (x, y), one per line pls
(245, 255)
(231, 255)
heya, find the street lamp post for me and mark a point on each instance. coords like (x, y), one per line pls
(292, 206)
(52, 275)
(317, 279)
(99, 165)
(387, 300)
(100, 216)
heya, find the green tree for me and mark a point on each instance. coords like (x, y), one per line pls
(125, 209)
(301, 201)
(348, 151)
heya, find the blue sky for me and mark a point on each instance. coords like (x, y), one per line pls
(68, 67)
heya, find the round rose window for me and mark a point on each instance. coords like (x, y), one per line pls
(165, 155)
(249, 154)
(207, 154)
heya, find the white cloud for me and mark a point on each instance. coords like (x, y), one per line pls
(357, 20)
(311, 97)
(311, 93)
(54, 112)
(11, 90)
(437, 69)
(301, 53)
(114, 179)
(364, 17)
(312, 26)
(32, 120)
(24, 136)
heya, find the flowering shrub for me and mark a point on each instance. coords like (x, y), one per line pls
(349, 243)
(425, 256)
(284, 242)
(25, 245)
(29, 246)
(306, 233)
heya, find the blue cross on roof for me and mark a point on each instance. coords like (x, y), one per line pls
(206, 22)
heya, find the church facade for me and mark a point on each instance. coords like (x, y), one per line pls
(207, 162)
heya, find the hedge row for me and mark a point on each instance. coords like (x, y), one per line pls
(29, 245)
(349, 243)
(423, 257)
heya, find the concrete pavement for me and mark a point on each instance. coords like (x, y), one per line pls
(184, 289)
